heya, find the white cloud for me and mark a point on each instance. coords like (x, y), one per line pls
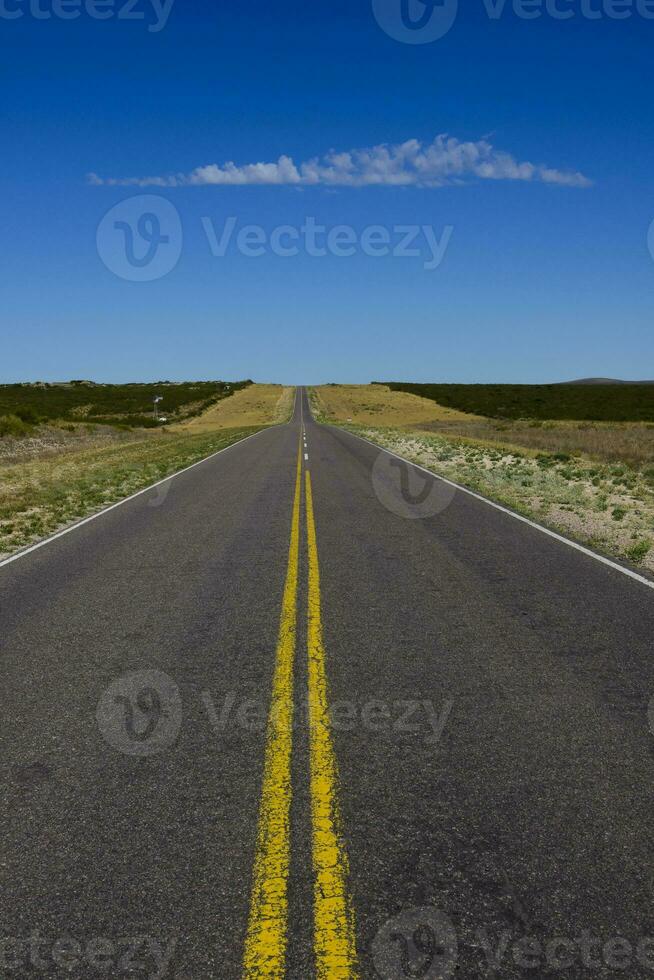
(444, 161)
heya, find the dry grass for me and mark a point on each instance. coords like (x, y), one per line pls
(378, 405)
(254, 405)
(285, 406)
(46, 441)
(611, 442)
(42, 495)
(617, 442)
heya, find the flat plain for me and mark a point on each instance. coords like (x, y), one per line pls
(592, 481)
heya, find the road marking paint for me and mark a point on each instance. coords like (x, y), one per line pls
(306, 456)
(125, 500)
(266, 941)
(518, 517)
(334, 928)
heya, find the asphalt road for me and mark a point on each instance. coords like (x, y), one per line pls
(478, 804)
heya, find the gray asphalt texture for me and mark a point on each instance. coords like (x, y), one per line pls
(490, 691)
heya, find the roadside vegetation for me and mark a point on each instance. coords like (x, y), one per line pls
(260, 404)
(594, 483)
(44, 495)
(53, 475)
(581, 402)
(106, 404)
(56, 439)
(611, 442)
(378, 403)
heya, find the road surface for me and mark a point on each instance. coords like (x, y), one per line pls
(301, 712)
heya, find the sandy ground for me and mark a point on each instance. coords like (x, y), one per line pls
(254, 405)
(610, 508)
(378, 405)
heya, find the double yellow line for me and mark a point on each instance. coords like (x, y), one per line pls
(334, 934)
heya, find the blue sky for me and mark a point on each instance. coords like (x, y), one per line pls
(542, 278)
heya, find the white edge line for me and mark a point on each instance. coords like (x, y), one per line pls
(119, 503)
(512, 513)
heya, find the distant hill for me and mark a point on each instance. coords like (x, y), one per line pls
(604, 381)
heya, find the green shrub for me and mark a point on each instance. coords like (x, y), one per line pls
(589, 403)
(108, 403)
(618, 513)
(638, 551)
(28, 415)
(11, 425)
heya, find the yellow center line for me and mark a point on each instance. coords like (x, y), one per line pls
(334, 930)
(265, 945)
